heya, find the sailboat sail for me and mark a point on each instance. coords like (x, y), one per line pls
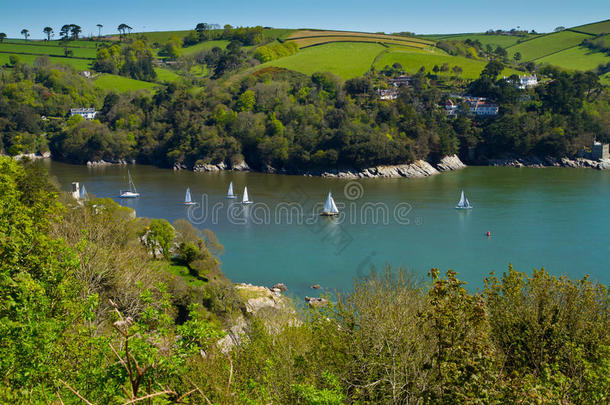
(132, 187)
(187, 197)
(230, 192)
(463, 203)
(132, 192)
(83, 193)
(330, 207)
(245, 199)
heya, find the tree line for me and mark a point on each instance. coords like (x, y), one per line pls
(282, 120)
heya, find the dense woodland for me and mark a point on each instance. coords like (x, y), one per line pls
(283, 120)
(91, 308)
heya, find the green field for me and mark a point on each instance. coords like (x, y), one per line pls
(486, 39)
(602, 27)
(345, 59)
(412, 61)
(42, 49)
(120, 83)
(166, 75)
(577, 58)
(546, 45)
(78, 64)
(190, 50)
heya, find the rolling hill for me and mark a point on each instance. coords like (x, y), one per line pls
(563, 49)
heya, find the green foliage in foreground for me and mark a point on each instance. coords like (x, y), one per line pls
(85, 313)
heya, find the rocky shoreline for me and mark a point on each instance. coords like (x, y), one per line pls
(534, 161)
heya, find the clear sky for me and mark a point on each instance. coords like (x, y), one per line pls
(419, 16)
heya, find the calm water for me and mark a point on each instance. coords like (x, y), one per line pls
(556, 218)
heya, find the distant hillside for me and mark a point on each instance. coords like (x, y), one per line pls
(563, 49)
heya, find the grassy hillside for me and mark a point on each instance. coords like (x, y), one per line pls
(79, 64)
(412, 61)
(602, 27)
(547, 44)
(486, 39)
(345, 59)
(44, 49)
(576, 58)
(306, 38)
(120, 83)
(190, 50)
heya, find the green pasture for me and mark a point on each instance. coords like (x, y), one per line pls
(345, 59)
(121, 84)
(166, 75)
(190, 50)
(78, 64)
(50, 50)
(602, 27)
(412, 61)
(576, 58)
(546, 45)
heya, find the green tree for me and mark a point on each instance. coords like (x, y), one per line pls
(25, 33)
(517, 56)
(99, 30)
(2, 36)
(159, 235)
(246, 101)
(75, 30)
(48, 32)
(13, 59)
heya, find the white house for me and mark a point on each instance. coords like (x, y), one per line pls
(484, 108)
(391, 94)
(527, 81)
(86, 113)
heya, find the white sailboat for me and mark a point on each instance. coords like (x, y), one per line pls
(463, 204)
(132, 192)
(330, 208)
(83, 194)
(245, 199)
(187, 197)
(230, 192)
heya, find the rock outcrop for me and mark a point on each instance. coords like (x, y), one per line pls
(449, 163)
(314, 302)
(209, 167)
(241, 167)
(534, 161)
(99, 163)
(32, 156)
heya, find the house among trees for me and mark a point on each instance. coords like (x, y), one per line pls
(598, 151)
(400, 81)
(526, 81)
(391, 94)
(86, 113)
(477, 105)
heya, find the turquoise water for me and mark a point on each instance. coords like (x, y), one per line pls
(557, 218)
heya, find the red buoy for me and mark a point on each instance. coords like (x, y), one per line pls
(488, 233)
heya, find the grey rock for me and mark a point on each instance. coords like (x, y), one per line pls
(280, 286)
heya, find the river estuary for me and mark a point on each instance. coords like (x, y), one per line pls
(555, 217)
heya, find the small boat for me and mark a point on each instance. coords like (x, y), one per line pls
(83, 194)
(187, 197)
(132, 192)
(330, 208)
(245, 199)
(463, 204)
(230, 192)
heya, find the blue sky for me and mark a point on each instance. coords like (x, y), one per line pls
(419, 16)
